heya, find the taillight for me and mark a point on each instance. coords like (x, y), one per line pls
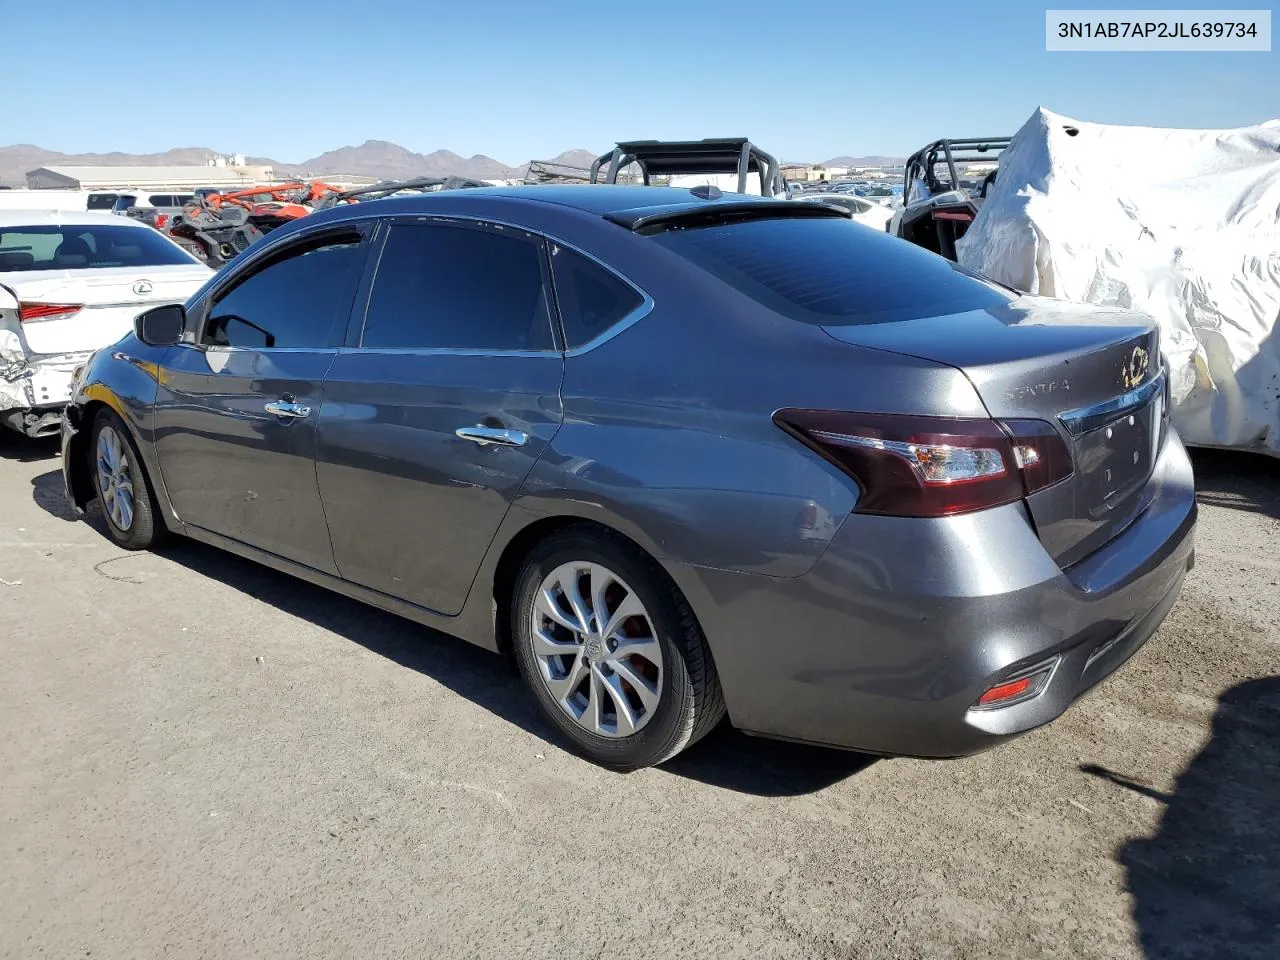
(910, 466)
(161, 220)
(47, 311)
(1040, 453)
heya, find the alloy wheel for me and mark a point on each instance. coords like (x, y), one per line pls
(596, 649)
(115, 479)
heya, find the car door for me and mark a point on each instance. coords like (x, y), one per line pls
(237, 408)
(436, 413)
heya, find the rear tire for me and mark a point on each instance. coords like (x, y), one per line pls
(623, 710)
(121, 485)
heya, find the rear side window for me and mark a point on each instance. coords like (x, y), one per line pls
(831, 272)
(448, 286)
(160, 200)
(72, 247)
(300, 301)
(591, 298)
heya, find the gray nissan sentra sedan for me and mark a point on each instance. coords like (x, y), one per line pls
(680, 453)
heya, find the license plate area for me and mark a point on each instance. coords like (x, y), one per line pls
(1116, 458)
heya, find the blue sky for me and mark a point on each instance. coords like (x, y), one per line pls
(527, 79)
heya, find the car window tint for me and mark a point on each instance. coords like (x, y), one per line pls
(160, 200)
(70, 246)
(591, 298)
(303, 300)
(448, 286)
(100, 201)
(831, 271)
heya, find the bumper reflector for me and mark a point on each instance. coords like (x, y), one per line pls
(1009, 692)
(1005, 691)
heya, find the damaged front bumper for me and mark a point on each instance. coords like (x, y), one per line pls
(70, 427)
(34, 390)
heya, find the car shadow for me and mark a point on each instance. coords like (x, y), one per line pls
(725, 759)
(1238, 481)
(1207, 883)
(731, 760)
(24, 449)
(50, 494)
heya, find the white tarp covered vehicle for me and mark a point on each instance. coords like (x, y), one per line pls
(1183, 225)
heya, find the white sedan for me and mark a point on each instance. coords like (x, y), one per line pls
(71, 282)
(864, 211)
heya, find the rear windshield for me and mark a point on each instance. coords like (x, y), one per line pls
(831, 272)
(74, 247)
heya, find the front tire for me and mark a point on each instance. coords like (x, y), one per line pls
(121, 484)
(611, 650)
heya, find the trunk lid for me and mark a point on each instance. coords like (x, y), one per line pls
(1094, 373)
(111, 298)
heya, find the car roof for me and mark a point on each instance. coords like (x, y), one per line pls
(598, 199)
(43, 218)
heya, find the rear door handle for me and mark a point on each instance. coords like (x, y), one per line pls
(285, 407)
(493, 436)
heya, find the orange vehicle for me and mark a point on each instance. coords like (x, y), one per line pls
(216, 226)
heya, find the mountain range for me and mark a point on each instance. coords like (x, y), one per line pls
(375, 158)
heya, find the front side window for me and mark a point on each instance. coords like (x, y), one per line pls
(444, 285)
(591, 299)
(302, 300)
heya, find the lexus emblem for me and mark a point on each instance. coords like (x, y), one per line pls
(1135, 368)
(142, 287)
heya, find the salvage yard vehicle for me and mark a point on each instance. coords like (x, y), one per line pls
(727, 163)
(70, 283)
(865, 212)
(937, 209)
(24, 199)
(549, 171)
(217, 227)
(679, 451)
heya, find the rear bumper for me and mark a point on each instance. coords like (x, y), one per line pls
(889, 641)
(35, 389)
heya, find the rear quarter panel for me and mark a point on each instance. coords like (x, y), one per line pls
(668, 430)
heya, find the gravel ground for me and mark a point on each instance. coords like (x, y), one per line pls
(203, 758)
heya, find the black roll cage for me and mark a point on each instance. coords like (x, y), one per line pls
(920, 165)
(731, 155)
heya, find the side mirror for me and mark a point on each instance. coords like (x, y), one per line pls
(161, 326)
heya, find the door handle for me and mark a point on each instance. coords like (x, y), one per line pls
(285, 407)
(493, 436)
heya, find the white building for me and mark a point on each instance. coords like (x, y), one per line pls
(184, 178)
